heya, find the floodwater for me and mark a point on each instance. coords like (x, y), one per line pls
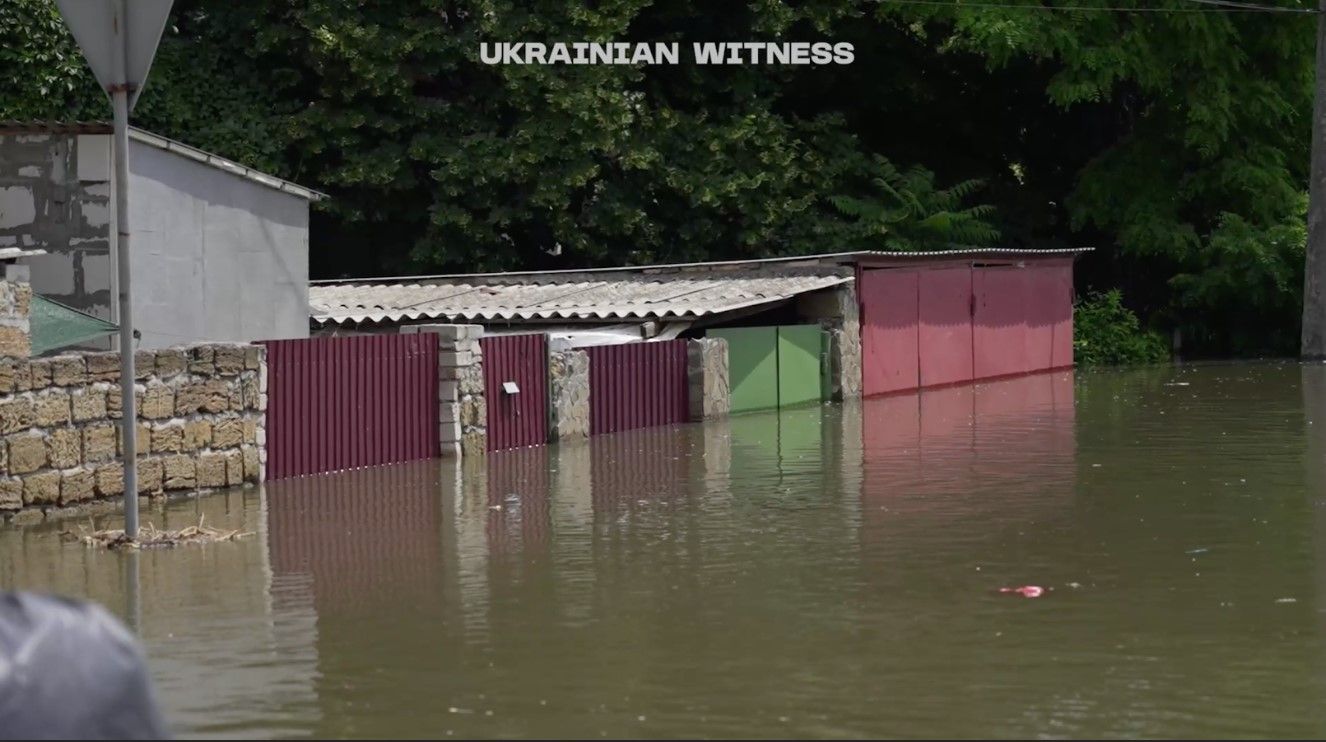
(821, 572)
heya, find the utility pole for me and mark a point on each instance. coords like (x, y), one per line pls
(1314, 268)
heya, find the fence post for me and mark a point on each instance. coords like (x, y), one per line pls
(568, 391)
(707, 375)
(462, 412)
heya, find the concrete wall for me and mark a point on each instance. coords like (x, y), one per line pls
(217, 257)
(55, 194)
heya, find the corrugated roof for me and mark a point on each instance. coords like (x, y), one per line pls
(837, 258)
(163, 143)
(677, 296)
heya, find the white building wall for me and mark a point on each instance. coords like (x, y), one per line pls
(216, 257)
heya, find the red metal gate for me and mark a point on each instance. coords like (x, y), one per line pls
(945, 343)
(515, 380)
(637, 385)
(889, 319)
(1050, 316)
(349, 402)
(999, 324)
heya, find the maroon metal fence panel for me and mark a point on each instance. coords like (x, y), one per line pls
(637, 385)
(345, 403)
(520, 417)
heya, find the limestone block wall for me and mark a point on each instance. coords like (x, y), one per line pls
(462, 406)
(15, 307)
(201, 418)
(845, 346)
(568, 385)
(839, 314)
(707, 372)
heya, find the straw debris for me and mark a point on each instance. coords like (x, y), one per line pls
(149, 537)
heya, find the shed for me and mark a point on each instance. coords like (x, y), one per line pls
(220, 250)
(952, 317)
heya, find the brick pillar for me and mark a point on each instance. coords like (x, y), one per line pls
(707, 374)
(15, 306)
(462, 408)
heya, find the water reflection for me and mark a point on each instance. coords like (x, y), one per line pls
(820, 571)
(231, 648)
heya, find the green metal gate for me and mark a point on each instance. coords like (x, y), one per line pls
(772, 367)
(752, 366)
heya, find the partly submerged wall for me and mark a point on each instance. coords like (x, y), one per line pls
(201, 418)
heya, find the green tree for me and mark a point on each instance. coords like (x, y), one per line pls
(1201, 124)
(909, 213)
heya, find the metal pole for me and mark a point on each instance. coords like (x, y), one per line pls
(128, 405)
(1314, 273)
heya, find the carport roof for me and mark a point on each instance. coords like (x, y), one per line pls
(675, 296)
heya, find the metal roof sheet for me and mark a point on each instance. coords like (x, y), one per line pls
(673, 296)
(839, 258)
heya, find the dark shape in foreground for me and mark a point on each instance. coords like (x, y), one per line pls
(70, 670)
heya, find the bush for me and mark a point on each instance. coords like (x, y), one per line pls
(1105, 332)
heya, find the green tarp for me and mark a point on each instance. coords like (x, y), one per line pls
(54, 325)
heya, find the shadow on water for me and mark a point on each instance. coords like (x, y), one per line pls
(818, 571)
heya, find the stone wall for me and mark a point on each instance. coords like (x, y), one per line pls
(568, 385)
(707, 372)
(15, 307)
(201, 424)
(462, 406)
(837, 311)
(845, 346)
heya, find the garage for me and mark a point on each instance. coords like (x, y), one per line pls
(939, 320)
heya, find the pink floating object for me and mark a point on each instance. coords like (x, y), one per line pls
(1026, 591)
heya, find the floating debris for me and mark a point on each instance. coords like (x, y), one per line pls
(1026, 591)
(1286, 600)
(149, 537)
(1196, 551)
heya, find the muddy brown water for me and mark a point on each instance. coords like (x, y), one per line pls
(821, 572)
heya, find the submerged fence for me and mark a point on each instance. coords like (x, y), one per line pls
(348, 402)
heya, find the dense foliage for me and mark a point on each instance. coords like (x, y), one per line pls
(1176, 143)
(1106, 333)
